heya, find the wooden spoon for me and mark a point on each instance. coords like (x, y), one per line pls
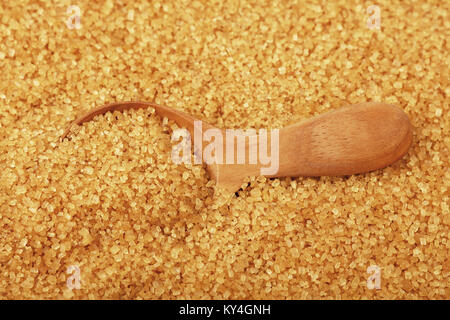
(350, 140)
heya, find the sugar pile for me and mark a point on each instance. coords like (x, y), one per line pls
(109, 201)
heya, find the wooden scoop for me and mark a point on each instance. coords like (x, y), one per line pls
(350, 140)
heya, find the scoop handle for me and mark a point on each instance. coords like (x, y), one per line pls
(350, 140)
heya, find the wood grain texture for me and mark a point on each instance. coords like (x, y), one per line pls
(353, 139)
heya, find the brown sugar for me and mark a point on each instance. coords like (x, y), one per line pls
(137, 226)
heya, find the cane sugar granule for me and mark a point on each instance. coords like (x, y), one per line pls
(107, 208)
